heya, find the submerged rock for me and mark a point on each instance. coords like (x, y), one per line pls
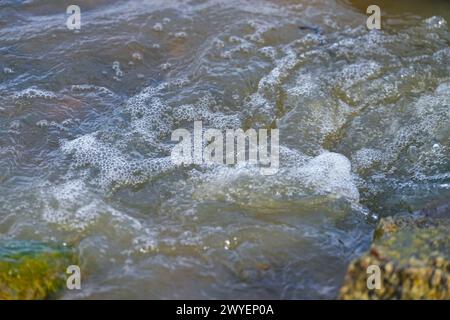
(32, 270)
(413, 254)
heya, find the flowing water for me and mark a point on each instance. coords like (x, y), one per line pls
(86, 119)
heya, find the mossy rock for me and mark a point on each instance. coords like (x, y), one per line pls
(413, 253)
(33, 270)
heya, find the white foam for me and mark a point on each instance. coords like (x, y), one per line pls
(115, 169)
(366, 157)
(435, 22)
(328, 174)
(158, 27)
(66, 206)
(32, 93)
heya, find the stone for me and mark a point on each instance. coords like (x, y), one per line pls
(33, 270)
(413, 254)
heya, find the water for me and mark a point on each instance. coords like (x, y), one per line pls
(86, 118)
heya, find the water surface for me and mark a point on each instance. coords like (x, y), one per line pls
(86, 119)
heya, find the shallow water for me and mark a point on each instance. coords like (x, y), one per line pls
(86, 119)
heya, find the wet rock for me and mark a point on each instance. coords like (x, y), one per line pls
(413, 254)
(33, 270)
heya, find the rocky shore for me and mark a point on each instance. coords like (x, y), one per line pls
(413, 254)
(33, 270)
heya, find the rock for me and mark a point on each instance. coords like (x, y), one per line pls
(33, 270)
(413, 253)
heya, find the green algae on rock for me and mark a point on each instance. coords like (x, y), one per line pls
(32, 270)
(413, 253)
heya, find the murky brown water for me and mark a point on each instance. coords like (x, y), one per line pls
(86, 118)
